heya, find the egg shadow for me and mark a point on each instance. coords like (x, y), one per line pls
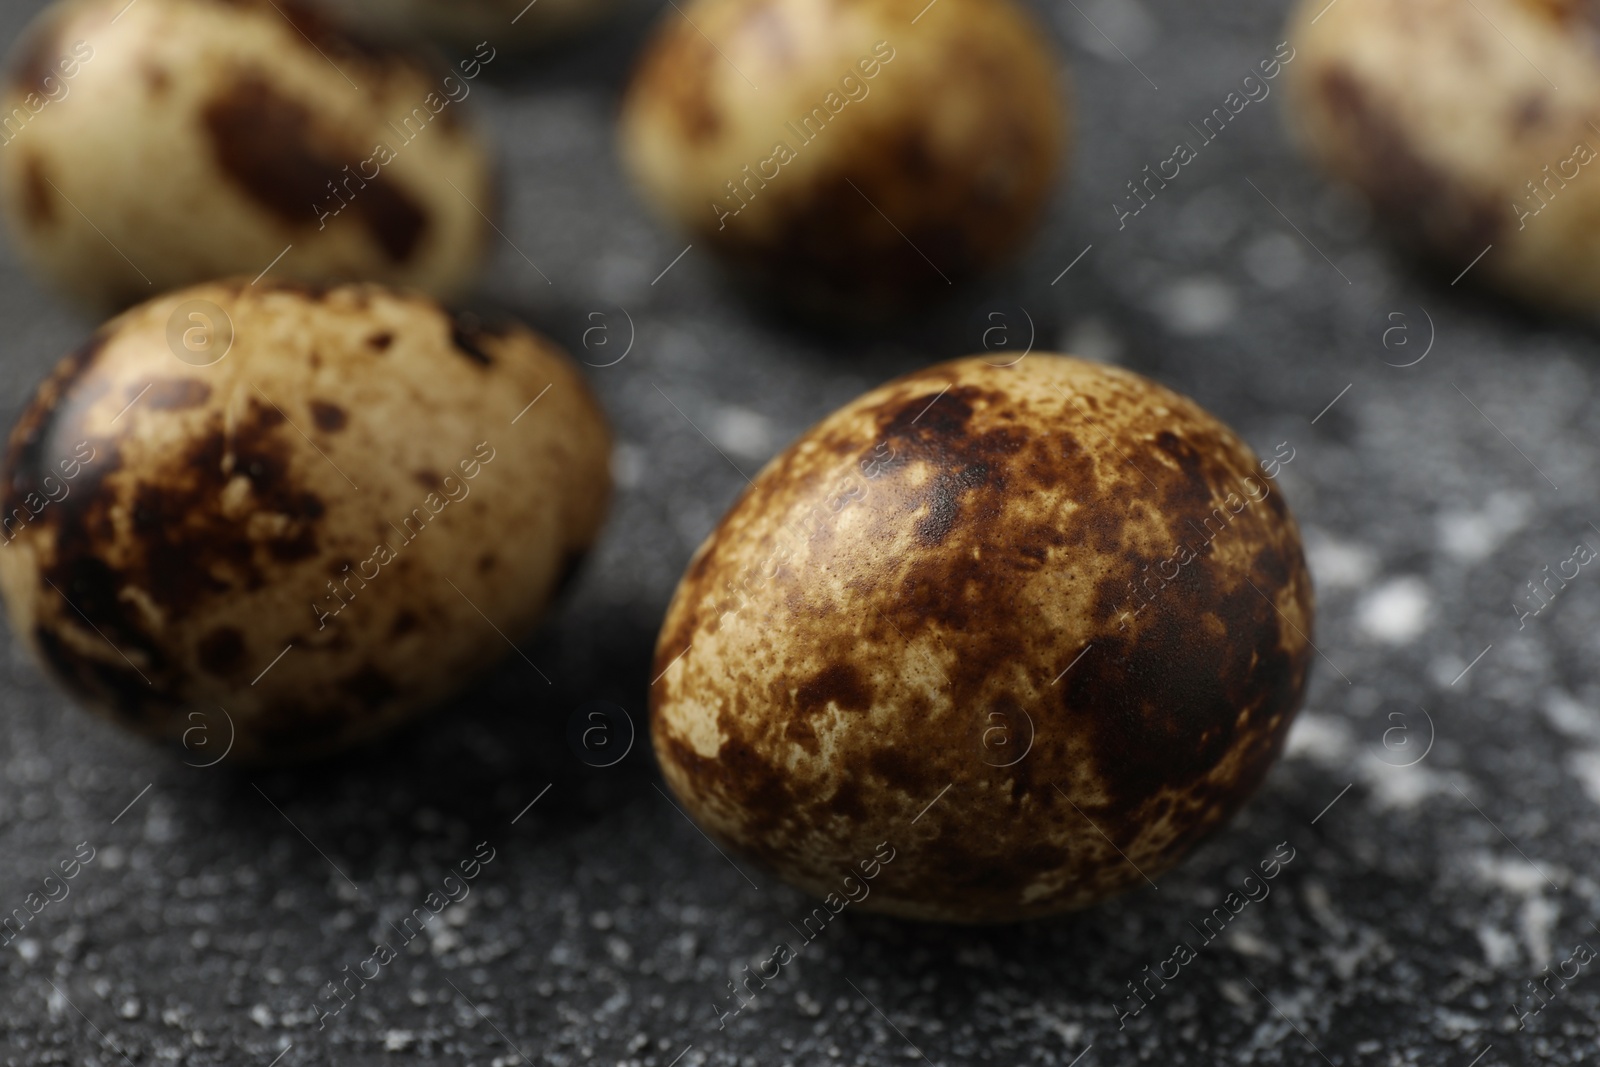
(602, 54)
(953, 966)
(1089, 955)
(521, 734)
(1458, 284)
(976, 316)
(1479, 300)
(983, 316)
(1002, 314)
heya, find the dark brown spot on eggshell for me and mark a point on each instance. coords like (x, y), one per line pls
(328, 416)
(1530, 112)
(470, 337)
(156, 79)
(269, 144)
(839, 685)
(918, 571)
(37, 195)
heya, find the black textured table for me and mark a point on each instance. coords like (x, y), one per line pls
(219, 904)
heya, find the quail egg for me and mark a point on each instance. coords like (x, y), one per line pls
(854, 157)
(1446, 117)
(990, 642)
(290, 517)
(152, 145)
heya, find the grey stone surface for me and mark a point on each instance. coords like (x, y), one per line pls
(221, 902)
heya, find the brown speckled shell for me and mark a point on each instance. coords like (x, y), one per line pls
(949, 151)
(196, 542)
(1441, 113)
(201, 138)
(900, 602)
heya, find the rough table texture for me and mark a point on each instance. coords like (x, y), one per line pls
(221, 902)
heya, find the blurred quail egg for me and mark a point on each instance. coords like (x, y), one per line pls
(156, 144)
(854, 157)
(1447, 118)
(293, 517)
(1029, 631)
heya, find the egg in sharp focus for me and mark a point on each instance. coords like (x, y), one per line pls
(293, 517)
(1029, 631)
(512, 24)
(152, 145)
(1445, 116)
(853, 158)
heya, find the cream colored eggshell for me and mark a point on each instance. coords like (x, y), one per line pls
(950, 152)
(1442, 112)
(198, 542)
(199, 137)
(939, 573)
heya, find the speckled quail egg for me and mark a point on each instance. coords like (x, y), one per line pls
(510, 24)
(158, 144)
(1029, 631)
(292, 517)
(853, 157)
(1446, 116)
